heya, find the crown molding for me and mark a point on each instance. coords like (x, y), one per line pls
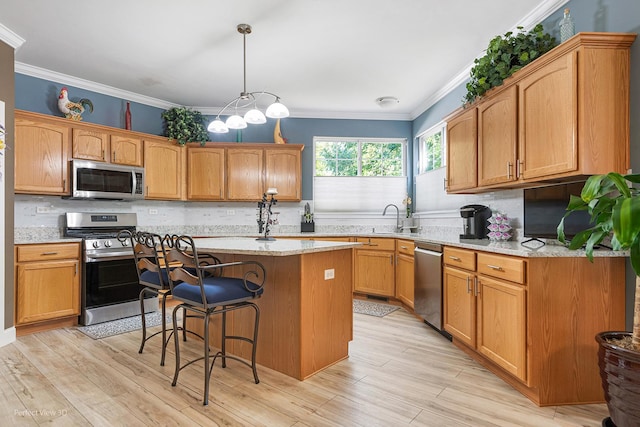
(10, 38)
(41, 73)
(537, 15)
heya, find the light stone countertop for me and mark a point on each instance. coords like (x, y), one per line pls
(280, 247)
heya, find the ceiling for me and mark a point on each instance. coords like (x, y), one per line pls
(324, 58)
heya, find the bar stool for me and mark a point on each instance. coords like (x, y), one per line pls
(211, 294)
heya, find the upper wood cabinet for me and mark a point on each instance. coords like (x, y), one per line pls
(245, 176)
(205, 173)
(565, 116)
(163, 166)
(462, 151)
(497, 138)
(90, 144)
(42, 153)
(126, 150)
(283, 170)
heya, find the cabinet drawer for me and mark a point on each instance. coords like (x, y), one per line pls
(461, 258)
(405, 247)
(48, 252)
(377, 243)
(500, 266)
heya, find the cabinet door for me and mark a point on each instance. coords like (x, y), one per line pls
(126, 150)
(405, 279)
(548, 110)
(245, 174)
(163, 170)
(374, 272)
(462, 151)
(205, 173)
(41, 157)
(283, 171)
(90, 145)
(47, 290)
(460, 305)
(501, 325)
(497, 138)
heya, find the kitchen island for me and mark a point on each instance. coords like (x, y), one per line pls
(306, 311)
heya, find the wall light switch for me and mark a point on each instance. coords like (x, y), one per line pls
(231, 212)
(153, 211)
(329, 274)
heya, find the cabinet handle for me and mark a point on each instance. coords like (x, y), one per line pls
(476, 286)
(519, 167)
(76, 273)
(49, 253)
(468, 284)
(403, 247)
(104, 156)
(508, 170)
(455, 258)
(444, 184)
(113, 156)
(495, 267)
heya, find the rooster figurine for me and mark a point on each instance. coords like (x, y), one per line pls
(73, 110)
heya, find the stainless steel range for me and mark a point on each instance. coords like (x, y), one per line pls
(110, 287)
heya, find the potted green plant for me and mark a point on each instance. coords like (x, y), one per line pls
(185, 125)
(614, 207)
(504, 56)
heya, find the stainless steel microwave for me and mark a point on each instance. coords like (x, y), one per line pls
(95, 180)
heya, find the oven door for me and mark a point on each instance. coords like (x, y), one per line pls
(110, 281)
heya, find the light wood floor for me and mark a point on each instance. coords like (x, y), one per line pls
(399, 373)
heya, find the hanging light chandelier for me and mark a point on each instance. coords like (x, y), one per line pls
(276, 110)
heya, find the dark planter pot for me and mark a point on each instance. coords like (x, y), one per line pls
(620, 373)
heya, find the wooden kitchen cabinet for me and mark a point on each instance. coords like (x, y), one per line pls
(205, 173)
(497, 138)
(462, 151)
(283, 170)
(47, 282)
(532, 320)
(485, 313)
(90, 144)
(163, 166)
(245, 177)
(563, 117)
(126, 150)
(404, 271)
(374, 269)
(42, 153)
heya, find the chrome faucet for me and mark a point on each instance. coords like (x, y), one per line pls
(398, 225)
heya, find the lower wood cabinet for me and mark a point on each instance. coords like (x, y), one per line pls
(374, 266)
(532, 321)
(47, 282)
(404, 271)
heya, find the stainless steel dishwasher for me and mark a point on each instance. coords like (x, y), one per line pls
(428, 285)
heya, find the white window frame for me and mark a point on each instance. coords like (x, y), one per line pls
(440, 127)
(359, 194)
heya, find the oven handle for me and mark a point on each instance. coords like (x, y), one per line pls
(107, 256)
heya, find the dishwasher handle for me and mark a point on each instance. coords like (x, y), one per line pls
(428, 252)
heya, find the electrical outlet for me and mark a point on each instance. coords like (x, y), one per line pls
(153, 211)
(231, 212)
(43, 209)
(329, 274)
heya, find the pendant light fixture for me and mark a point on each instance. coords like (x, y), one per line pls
(254, 116)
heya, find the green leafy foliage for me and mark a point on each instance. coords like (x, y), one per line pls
(185, 125)
(505, 55)
(335, 158)
(614, 208)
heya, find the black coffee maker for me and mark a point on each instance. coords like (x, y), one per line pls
(474, 221)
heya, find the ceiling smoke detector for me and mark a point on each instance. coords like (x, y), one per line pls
(387, 101)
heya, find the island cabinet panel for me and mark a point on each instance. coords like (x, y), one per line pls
(205, 173)
(163, 166)
(306, 322)
(245, 178)
(42, 153)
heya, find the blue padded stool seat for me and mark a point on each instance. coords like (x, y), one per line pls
(217, 290)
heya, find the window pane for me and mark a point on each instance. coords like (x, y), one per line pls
(381, 159)
(432, 151)
(336, 158)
